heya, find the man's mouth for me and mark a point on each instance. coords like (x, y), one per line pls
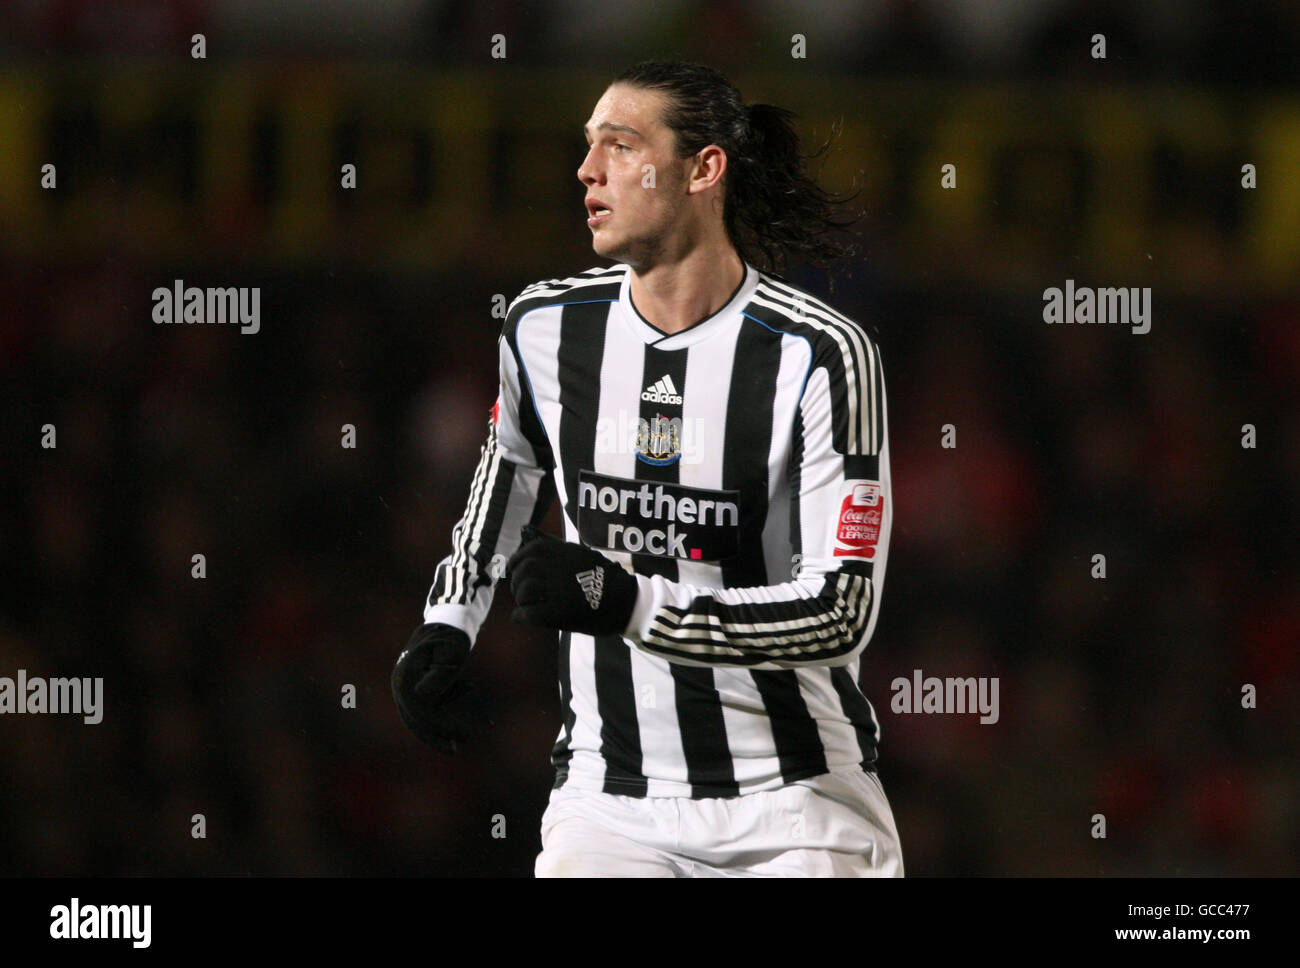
(597, 213)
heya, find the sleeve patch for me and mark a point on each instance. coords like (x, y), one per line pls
(858, 529)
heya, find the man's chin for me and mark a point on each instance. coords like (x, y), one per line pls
(606, 248)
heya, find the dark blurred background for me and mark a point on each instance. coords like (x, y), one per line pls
(222, 696)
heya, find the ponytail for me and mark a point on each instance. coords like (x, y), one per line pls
(774, 207)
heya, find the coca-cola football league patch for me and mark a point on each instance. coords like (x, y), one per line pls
(858, 529)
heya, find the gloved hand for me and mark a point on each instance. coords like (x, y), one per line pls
(434, 700)
(567, 586)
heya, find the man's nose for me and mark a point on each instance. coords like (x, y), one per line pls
(588, 171)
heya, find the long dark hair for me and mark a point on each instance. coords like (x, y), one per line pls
(772, 208)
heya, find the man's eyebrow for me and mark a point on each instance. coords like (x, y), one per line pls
(611, 126)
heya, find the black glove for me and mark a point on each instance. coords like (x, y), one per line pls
(567, 586)
(434, 700)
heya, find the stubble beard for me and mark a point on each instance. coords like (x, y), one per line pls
(646, 251)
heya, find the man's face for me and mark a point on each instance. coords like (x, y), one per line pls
(632, 171)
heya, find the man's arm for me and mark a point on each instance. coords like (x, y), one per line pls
(508, 490)
(842, 513)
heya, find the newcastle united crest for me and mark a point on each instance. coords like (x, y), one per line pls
(659, 440)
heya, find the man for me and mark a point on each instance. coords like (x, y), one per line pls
(717, 440)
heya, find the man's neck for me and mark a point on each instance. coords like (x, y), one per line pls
(675, 296)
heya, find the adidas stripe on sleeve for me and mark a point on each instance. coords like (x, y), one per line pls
(508, 490)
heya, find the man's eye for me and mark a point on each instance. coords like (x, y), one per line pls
(622, 147)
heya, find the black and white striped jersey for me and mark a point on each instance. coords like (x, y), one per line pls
(740, 469)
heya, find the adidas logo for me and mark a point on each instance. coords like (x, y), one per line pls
(662, 391)
(593, 584)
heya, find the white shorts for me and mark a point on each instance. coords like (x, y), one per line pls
(833, 825)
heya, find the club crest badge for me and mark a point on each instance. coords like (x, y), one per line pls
(659, 440)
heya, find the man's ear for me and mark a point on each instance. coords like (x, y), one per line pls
(705, 168)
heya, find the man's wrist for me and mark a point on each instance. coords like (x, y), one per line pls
(457, 616)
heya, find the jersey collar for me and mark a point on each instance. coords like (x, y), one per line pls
(692, 334)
